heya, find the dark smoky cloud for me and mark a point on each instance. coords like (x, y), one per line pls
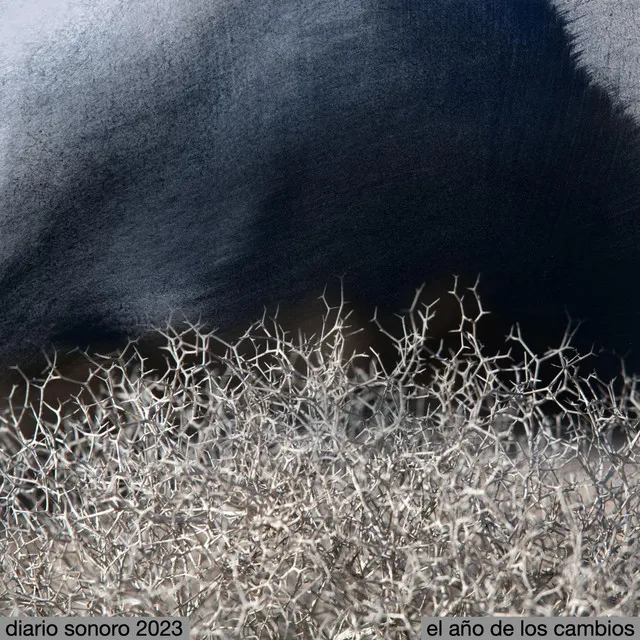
(211, 158)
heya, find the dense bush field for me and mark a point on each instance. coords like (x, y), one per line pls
(278, 487)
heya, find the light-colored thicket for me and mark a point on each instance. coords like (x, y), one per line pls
(278, 489)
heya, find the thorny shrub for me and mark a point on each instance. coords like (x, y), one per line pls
(278, 488)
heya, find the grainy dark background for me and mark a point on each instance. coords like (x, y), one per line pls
(201, 156)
